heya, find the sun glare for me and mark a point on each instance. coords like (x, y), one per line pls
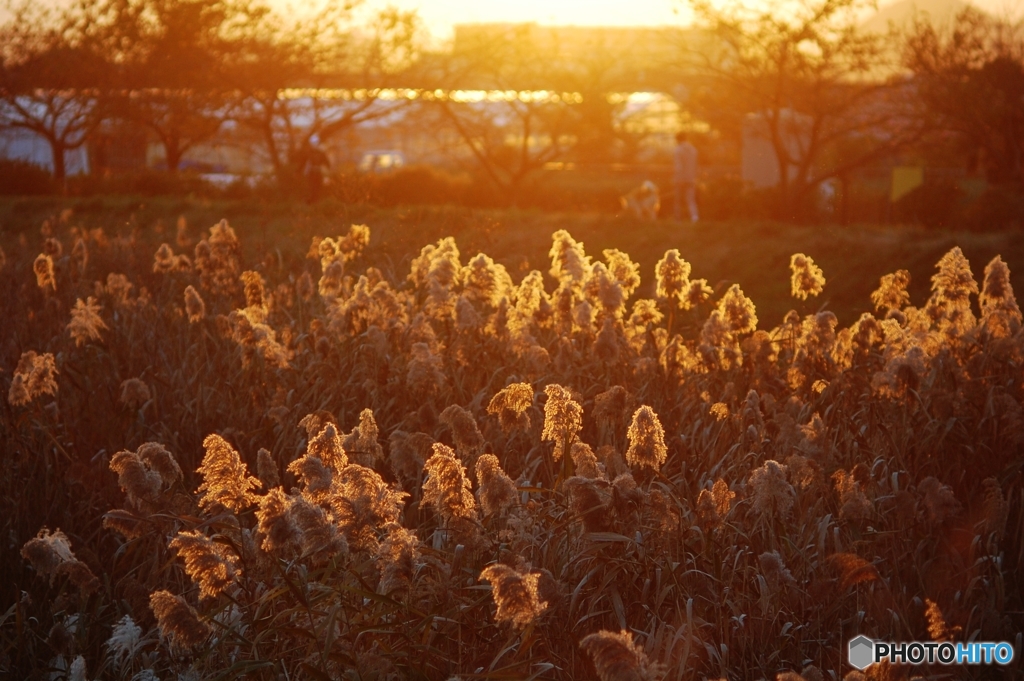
(440, 15)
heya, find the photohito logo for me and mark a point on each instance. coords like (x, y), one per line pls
(862, 652)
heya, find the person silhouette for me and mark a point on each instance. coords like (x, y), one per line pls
(684, 177)
(313, 168)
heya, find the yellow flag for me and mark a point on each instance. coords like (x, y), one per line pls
(905, 179)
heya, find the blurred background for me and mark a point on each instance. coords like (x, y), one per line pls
(835, 111)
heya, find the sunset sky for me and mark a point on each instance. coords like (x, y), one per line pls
(440, 15)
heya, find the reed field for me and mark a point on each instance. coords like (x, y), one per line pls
(275, 441)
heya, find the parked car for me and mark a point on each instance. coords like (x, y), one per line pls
(381, 161)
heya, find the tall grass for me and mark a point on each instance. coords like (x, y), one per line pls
(221, 466)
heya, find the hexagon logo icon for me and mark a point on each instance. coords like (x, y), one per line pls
(861, 652)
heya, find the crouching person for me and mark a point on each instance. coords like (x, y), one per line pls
(644, 202)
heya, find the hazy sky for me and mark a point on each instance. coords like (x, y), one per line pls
(440, 15)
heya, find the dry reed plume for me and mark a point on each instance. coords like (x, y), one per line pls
(731, 497)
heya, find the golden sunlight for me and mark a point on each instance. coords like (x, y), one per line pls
(441, 15)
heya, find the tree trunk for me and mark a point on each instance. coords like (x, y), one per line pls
(173, 153)
(844, 211)
(60, 173)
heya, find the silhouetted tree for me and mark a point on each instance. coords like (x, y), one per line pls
(317, 76)
(828, 94)
(531, 115)
(970, 79)
(53, 76)
(172, 56)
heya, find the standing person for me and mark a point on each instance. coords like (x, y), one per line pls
(313, 168)
(684, 177)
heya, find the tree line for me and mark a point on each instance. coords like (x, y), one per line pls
(182, 68)
(830, 97)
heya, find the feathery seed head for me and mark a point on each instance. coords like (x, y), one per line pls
(361, 444)
(808, 279)
(510, 404)
(713, 506)
(613, 405)
(119, 288)
(605, 293)
(891, 293)
(157, 458)
(315, 422)
(211, 565)
(515, 594)
(646, 440)
(53, 247)
(484, 281)
(50, 554)
(606, 345)
(495, 490)
(177, 620)
(397, 557)
(48, 551)
(854, 504)
(226, 480)
(407, 452)
(35, 375)
(315, 476)
(469, 441)
(43, 268)
(165, 261)
(952, 286)
(266, 469)
(79, 257)
(591, 501)
(218, 260)
(134, 392)
(255, 291)
(996, 508)
(999, 310)
(585, 461)
(775, 571)
(332, 281)
(569, 262)
(672, 274)
(304, 287)
(328, 447)
(738, 311)
(939, 631)
(124, 641)
(275, 523)
(363, 503)
(625, 271)
(425, 376)
(772, 494)
(803, 472)
(696, 293)
(447, 487)
(319, 538)
(563, 418)
(938, 501)
(86, 323)
(618, 658)
(139, 481)
(436, 264)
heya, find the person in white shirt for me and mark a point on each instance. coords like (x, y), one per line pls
(684, 177)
